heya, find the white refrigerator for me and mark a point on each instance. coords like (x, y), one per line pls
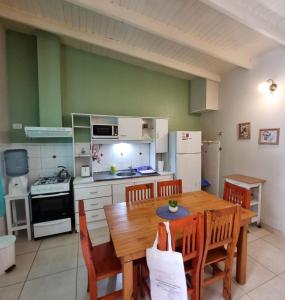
(185, 158)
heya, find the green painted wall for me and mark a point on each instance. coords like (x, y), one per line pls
(100, 85)
(22, 82)
(93, 84)
(49, 54)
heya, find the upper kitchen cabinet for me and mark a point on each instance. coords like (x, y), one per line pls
(130, 128)
(204, 95)
(161, 135)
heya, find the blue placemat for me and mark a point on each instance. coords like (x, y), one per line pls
(164, 213)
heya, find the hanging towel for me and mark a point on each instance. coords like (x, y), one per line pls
(2, 206)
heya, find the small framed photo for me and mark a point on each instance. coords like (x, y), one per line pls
(244, 131)
(269, 136)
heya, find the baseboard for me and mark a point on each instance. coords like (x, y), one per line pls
(271, 229)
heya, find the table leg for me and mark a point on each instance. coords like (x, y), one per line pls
(127, 280)
(242, 255)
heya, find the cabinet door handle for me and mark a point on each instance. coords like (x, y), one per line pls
(94, 216)
(94, 204)
(123, 135)
(93, 192)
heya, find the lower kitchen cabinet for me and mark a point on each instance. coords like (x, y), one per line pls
(93, 204)
(119, 192)
(95, 218)
(97, 195)
(95, 198)
(92, 192)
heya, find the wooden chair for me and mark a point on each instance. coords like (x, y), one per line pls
(188, 238)
(237, 195)
(169, 187)
(139, 192)
(221, 236)
(100, 261)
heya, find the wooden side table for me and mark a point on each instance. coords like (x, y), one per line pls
(255, 186)
(13, 223)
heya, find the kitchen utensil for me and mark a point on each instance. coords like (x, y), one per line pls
(63, 173)
(85, 171)
(145, 170)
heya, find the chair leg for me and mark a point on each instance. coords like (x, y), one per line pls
(201, 283)
(195, 280)
(142, 278)
(88, 284)
(227, 286)
(135, 283)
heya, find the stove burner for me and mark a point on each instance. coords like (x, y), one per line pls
(50, 180)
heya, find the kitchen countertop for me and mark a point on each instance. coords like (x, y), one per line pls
(107, 176)
(103, 176)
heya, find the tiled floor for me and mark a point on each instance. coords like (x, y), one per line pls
(53, 269)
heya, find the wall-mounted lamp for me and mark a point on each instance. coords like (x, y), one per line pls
(272, 85)
(268, 86)
(122, 149)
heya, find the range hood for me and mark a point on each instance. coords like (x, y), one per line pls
(49, 83)
(48, 132)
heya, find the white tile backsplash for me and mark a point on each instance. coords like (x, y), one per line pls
(44, 158)
(35, 163)
(34, 150)
(123, 156)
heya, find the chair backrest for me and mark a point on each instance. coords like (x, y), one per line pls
(237, 195)
(139, 192)
(83, 223)
(222, 228)
(86, 247)
(187, 236)
(169, 187)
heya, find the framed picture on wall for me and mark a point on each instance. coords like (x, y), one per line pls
(244, 131)
(269, 136)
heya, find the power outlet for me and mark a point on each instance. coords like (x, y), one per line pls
(17, 126)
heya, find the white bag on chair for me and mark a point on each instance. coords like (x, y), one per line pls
(166, 271)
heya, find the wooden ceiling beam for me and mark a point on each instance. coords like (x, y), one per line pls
(62, 30)
(251, 18)
(150, 25)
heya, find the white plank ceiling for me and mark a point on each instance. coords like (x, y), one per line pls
(184, 38)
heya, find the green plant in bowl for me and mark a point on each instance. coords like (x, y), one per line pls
(173, 206)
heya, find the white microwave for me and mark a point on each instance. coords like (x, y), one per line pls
(104, 131)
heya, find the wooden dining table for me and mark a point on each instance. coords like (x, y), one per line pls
(133, 228)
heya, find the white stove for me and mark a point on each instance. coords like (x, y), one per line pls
(48, 185)
(51, 206)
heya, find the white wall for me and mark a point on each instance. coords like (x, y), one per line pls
(4, 125)
(241, 101)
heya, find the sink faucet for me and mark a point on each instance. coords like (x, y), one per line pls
(130, 169)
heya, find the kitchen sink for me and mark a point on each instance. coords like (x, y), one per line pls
(127, 173)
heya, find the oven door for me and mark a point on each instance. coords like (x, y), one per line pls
(50, 207)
